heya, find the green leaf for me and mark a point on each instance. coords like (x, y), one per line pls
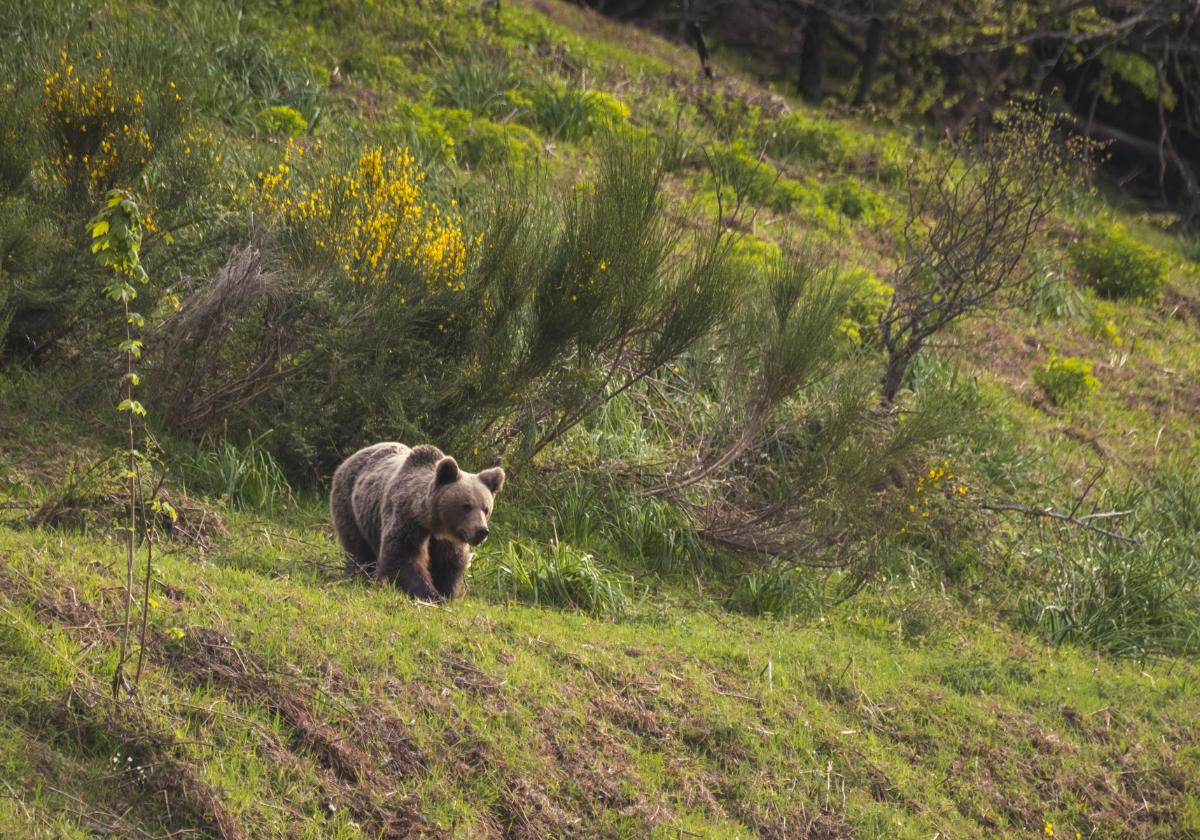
(132, 405)
(99, 228)
(132, 347)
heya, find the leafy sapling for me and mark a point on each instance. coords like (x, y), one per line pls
(116, 243)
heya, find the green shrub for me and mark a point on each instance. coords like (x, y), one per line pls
(868, 303)
(854, 201)
(423, 129)
(736, 167)
(1066, 382)
(557, 575)
(482, 142)
(789, 193)
(282, 120)
(797, 136)
(1117, 265)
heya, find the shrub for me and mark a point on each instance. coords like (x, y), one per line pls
(89, 128)
(370, 222)
(972, 215)
(854, 201)
(738, 168)
(1117, 265)
(422, 129)
(800, 137)
(97, 133)
(1066, 382)
(482, 142)
(573, 283)
(283, 120)
(868, 303)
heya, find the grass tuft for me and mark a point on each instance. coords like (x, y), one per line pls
(557, 575)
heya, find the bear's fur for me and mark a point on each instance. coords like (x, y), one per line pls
(406, 516)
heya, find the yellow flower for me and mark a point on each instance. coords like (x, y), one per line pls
(1049, 829)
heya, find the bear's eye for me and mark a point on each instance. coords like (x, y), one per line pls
(466, 507)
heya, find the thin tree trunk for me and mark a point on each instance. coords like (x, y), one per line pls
(812, 55)
(870, 61)
(893, 377)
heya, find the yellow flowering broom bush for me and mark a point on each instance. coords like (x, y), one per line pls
(371, 223)
(97, 132)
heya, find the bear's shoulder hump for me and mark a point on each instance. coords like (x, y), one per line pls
(424, 455)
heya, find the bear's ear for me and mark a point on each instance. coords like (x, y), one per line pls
(493, 479)
(447, 471)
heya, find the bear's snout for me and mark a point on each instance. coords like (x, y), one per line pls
(480, 535)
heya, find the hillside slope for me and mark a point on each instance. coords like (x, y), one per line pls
(278, 701)
(613, 671)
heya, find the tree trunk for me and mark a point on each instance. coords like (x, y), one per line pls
(870, 61)
(812, 55)
(893, 377)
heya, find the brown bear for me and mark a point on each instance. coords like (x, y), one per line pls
(406, 516)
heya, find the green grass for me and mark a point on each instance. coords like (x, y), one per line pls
(284, 690)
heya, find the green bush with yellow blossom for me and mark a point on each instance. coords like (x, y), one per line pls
(370, 221)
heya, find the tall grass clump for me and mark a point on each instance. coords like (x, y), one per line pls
(1128, 601)
(480, 81)
(573, 113)
(557, 575)
(777, 592)
(656, 535)
(247, 477)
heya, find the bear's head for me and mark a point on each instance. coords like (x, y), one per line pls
(462, 501)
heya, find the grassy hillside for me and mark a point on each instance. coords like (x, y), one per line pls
(731, 591)
(277, 702)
